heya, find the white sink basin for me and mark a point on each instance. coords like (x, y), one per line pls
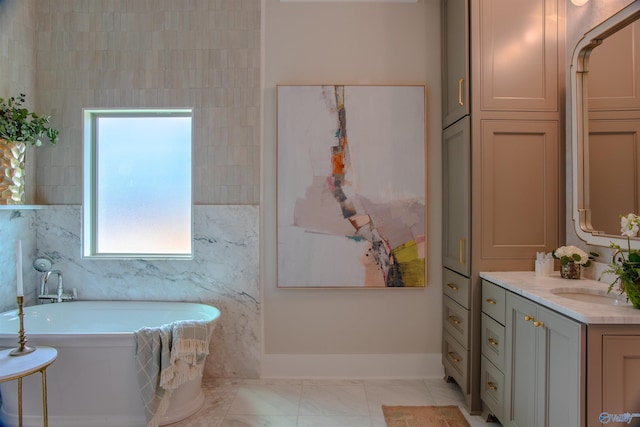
(593, 296)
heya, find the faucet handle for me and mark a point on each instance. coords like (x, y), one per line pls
(71, 296)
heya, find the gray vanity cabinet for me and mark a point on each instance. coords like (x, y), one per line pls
(565, 362)
(545, 366)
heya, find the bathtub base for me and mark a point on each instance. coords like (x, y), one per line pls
(92, 383)
(183, 407)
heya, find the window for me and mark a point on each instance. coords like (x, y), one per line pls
(137, 184)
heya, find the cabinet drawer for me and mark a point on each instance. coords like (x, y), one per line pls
(493, 301)
(456, 287)
(456, 321)
(492, 388)
(493, 341)
(455, 359)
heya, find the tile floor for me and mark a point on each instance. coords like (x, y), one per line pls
(317, 403)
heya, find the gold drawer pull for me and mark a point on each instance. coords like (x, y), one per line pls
(462, 246)
(454, 357)
(538, 324)
(492, 341)
(492, 386)
(528, 318)
(454, 319)
(452, 286)
(460, 83)
(491, 301)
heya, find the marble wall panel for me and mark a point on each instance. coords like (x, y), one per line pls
(223, 273)
(17, 225)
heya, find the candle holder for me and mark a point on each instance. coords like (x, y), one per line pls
(22, 340)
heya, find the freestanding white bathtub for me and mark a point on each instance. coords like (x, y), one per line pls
(93, 382)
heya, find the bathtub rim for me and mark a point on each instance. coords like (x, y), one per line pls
(11, 316)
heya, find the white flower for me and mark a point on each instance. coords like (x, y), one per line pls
(630, 225)
(569, 252)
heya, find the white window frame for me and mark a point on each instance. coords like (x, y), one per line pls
(89, 214)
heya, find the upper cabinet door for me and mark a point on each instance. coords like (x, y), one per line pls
(455, 60)
(516, 66)
(518, 183)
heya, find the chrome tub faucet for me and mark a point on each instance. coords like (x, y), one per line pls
(43, 265)
(45, 279)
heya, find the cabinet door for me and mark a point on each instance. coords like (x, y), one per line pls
(521, 376)
(515, 48)
(613, 367)
(517, 171)
(564, 364)
(544, 367)
(620, 373)
(456, 197)
(455, 60)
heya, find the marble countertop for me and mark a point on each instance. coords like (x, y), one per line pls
(539, 289)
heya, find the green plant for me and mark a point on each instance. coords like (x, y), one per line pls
(626, 268)
(567, 254)
(21, 125)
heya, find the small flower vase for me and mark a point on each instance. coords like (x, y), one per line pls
(570, 270)
(633, 293)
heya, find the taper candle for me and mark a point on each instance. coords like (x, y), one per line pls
(20, 288)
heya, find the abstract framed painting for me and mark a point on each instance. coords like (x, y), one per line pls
(351, 186)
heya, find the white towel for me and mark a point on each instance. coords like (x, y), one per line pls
(167, 357)
(188, 352)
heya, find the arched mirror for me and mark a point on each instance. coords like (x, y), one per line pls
(605, 123)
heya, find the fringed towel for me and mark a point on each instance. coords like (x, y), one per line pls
(167, 357)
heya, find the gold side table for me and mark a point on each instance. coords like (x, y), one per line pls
(16, 368)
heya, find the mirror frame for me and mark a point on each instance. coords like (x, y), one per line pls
(579, 113)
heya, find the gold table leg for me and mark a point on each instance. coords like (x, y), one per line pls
(19, 402)
(45, 416)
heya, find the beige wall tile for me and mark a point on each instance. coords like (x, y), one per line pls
(142, 53)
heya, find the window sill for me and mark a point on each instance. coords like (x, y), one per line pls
(22, 207)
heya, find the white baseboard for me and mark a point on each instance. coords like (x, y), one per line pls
(351, 366)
